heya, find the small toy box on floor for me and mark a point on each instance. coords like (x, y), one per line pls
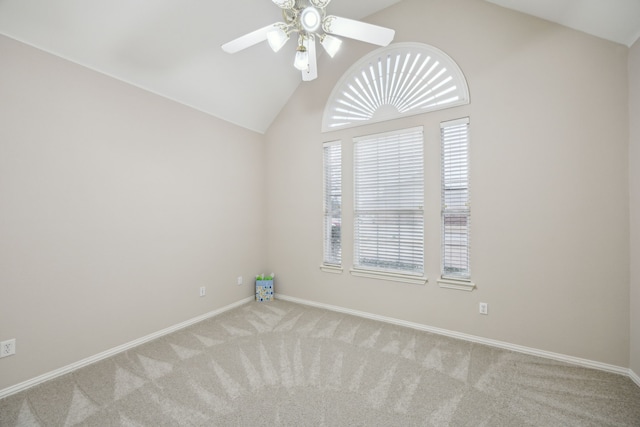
(264, 290)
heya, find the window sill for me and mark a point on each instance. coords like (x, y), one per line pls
(334, 269)
(461, 285)
(395, 277)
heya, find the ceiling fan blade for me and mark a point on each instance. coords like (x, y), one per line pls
(310, 73)
(247, 40)
(285, 4)
(358, 30)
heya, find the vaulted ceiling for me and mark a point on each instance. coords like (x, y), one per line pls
(172, 48)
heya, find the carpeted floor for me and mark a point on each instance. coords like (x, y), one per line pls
(283, 364)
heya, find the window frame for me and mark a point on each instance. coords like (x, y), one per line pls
(413, 78)
(331, 264)
(408, 210)
(455, 189)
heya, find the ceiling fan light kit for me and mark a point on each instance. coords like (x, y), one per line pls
(277, 37)
(309, 20)
(330, 44)
(301, 61)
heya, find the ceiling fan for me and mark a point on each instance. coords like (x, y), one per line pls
(309, 20)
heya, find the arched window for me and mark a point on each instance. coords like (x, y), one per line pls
(399, 80)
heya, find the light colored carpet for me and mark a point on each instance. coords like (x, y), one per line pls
(283, 364)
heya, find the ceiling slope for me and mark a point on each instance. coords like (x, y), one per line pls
(172, 48)
(614, 20)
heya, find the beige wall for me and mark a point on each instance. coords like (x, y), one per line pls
(550, 214)
(634, 192)
(116, 205)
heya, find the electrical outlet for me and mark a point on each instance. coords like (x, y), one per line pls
(203, 291)
(8, 347)
(484, 308)
(239, 282)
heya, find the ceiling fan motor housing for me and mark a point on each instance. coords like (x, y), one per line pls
(310, 19)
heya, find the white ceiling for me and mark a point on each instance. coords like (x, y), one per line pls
(172, 48)
(615, 20)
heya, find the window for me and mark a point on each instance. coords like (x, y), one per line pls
(455, 199)
(332, 204)
(389, 198)
(398, 80)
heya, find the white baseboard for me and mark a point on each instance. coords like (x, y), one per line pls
(634, 377)
(480, 340)
(494, 343)
(108, 353)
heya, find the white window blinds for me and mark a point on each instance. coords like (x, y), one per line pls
(389, 199)
(455, 199)
(332, 203)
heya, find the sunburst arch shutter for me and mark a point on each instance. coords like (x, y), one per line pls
(402, 79)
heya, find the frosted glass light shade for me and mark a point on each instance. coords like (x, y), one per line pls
(302, 59)
(277, 38)
(330, 44)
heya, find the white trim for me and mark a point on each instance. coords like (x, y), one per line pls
(331, 269)
(389, 133)
(634, 377)
(461, 285)
(500, 344)
(455, 122)
(472, 338)
(395, 277)
(331, 143)
(108, 353)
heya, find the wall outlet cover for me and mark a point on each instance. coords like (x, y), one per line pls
(484, 308)
(8, 347)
